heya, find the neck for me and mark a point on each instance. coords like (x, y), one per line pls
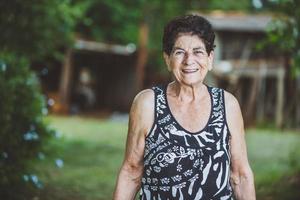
(187, 93)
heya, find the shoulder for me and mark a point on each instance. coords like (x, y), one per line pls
(144, 99)
(233, 113)
(231, 102)
(142, 110)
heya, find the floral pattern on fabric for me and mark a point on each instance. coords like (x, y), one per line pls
(181, 165)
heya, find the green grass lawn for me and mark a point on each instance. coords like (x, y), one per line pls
(275, 160)
(93, 149)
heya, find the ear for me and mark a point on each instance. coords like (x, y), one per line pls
(167, 61)
(210, 60)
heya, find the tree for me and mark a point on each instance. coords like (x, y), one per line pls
(284, 32)
(29, 31)
(23, 131)
(37, 28)
(284, 35)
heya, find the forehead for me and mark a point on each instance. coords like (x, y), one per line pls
(187, 41)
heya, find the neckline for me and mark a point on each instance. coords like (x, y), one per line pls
(174, 118)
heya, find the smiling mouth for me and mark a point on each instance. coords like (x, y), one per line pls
(189, 71)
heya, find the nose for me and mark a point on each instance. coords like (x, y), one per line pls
(188, 59)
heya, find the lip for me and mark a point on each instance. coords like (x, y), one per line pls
(189, 71)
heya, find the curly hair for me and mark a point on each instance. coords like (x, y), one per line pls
(191, 24)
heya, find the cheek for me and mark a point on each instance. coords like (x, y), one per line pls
(175, 65)
(203, 63)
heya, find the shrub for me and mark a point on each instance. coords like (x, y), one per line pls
(22, 131)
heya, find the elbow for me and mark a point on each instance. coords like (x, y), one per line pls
(132, 166)
(242, 182)
(128, 181)
(132, 171)
(242, 176)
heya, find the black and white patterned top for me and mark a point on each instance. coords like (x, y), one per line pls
(182, 165)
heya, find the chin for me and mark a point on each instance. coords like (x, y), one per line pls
(191, 82)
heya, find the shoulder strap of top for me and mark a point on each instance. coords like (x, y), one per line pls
(218, 104)
(223, 103)
(160, 101)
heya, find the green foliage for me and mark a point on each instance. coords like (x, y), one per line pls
(22, 132)
(118, 21)
(110, 21)
(222, 5)
(284, 32)
(38, 27)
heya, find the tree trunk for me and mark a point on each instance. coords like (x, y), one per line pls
(142, 55)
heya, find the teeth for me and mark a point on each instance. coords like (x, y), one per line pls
(189, 70)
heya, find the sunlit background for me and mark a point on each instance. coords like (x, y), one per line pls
(69, 70)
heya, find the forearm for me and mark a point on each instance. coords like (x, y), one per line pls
(128, 184)
(243, 186)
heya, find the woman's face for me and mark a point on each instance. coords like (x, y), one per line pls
(189, 61)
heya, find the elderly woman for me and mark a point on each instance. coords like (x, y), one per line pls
(186, 139)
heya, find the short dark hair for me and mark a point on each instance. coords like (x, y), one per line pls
(193, 24)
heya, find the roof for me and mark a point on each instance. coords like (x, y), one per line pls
(237, 21)
(103, 47)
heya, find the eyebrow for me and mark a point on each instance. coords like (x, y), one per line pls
(196, 48)
(199, 48)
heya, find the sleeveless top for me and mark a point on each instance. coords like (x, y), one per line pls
(182, 165)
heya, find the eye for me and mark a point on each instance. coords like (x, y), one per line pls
(177, 53)
(199, 52)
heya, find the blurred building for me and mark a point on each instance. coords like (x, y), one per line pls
(254, 75)
(97, 76)
(93, 77)
(114, 73)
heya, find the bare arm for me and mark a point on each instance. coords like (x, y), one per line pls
(242, 179)
(140, 121)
